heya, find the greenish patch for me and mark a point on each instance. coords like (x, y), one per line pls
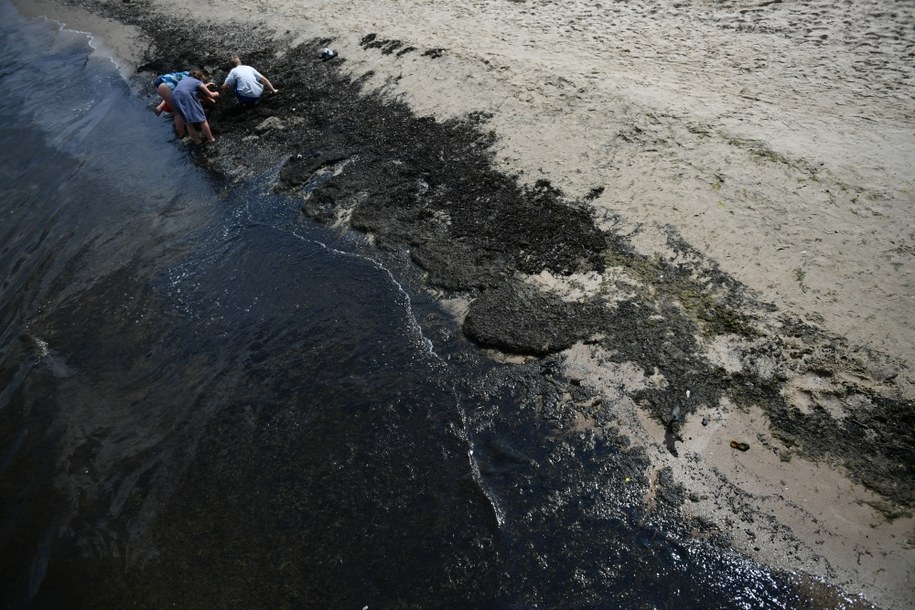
(706, 305)
(764, 152)
(799, 275)
(646, 269)
(715, 317)
(889, 510)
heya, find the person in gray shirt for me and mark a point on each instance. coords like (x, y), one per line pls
(247, 82)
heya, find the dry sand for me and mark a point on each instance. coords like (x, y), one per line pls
(778, 138)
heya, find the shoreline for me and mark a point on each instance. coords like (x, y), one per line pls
(123, 43)
(843, 560)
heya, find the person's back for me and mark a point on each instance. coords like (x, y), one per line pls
(246, 81)
(187, 85)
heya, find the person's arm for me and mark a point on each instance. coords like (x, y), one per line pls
(210, 95)
(230, 79)
(268, 84)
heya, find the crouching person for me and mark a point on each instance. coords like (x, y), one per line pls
(247, 82)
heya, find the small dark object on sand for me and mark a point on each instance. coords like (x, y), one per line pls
(740, 446)
(327, 54)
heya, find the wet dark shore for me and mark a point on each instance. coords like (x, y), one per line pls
(427, 191)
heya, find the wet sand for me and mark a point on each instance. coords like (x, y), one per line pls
(760, 150)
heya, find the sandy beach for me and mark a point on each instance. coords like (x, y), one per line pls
(762, 150)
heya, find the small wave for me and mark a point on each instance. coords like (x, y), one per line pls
(41, 346)
(405, 302)
(478, 479)
(491, 498)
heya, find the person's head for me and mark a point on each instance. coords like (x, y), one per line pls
(199, 75)
(235, 60)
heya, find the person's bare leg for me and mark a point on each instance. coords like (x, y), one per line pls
(193, 131)
(205, 126)
(180, 125)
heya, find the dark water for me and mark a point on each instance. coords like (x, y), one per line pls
(208, 401)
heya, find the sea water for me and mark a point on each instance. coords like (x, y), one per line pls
(207, 400)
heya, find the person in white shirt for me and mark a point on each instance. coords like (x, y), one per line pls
(247, 82)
